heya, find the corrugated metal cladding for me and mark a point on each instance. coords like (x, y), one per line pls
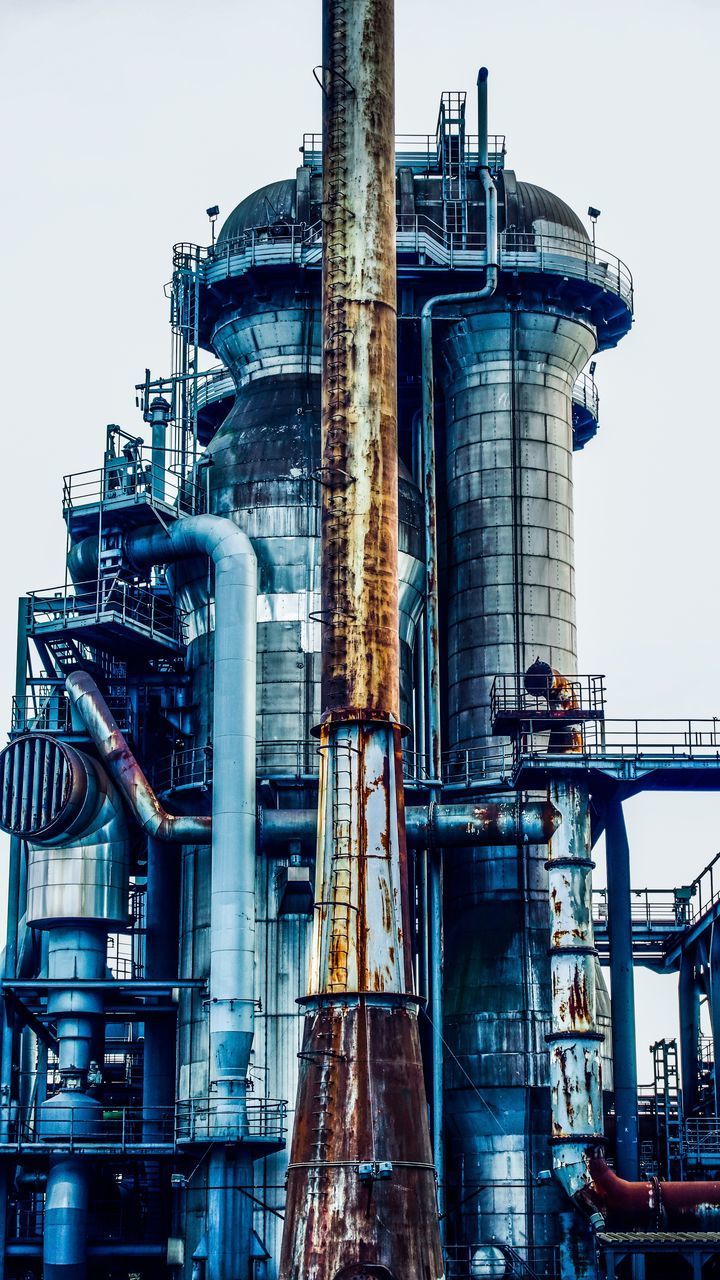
(508, 374)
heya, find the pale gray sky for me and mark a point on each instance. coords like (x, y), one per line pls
(123, 121)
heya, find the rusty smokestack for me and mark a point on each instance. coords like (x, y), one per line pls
(361, 1182)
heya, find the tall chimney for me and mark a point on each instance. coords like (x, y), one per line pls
(361, 1183)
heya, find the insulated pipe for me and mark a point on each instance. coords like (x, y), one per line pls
(232, 904)
(428, 826)
(622, 992)
(126, 771)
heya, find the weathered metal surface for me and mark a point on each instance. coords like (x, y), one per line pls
(359, 385)
(427, 826)
(361, 1182)
(361, 1100)
(78, 860)
(575, 1043)
(653, 1204)
(361, 932)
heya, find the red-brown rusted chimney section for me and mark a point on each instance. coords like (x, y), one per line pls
(360, 666)
(361, 1181)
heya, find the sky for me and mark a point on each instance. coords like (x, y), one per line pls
(123, 122)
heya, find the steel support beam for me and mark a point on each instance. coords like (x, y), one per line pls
(622, 991)
(689, 1000)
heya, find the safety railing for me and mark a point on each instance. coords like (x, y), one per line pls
(668, 740)
(468, 1261)
(204, 1119)
(183, 770)
(651, 909)
(585, 394)
(582, 695)
(702, 1138)
(69, 1128)
(192, 767)
(417, 151)
(47, 710)
(124, 481)
(58, 1127)
(669, 909)
(54, 609)
(428, 242)
(213, 384)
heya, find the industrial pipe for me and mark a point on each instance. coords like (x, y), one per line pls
(232, 910)
(428, 826)
(431, 630)
(655, 1205)
(127, 772)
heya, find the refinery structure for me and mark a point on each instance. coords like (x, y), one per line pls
(304, 976)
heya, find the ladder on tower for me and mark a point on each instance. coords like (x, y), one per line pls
(451, 159)
(667, 1108)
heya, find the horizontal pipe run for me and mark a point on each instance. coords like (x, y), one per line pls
(650, 1203)
(428, 826)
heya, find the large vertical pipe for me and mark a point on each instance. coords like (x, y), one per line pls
(575, 1062)
(689, 1007)
(361, 1189)
(622, 991)
(714, 1001)
(161, 962)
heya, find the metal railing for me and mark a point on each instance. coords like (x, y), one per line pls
(651, 909)
(55, 609)
(69, 1128)
(669, 908)
(702, 1138)
(468, 1261)
(418, 151)
(423, 238)
(47, 710)
(626, 738)
(583, 696)
(125, 1128)
(203, 1119)
(585, 394)
(192, 767)
(122, 481)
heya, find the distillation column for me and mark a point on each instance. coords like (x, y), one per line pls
(508, 371)
(361, 1190)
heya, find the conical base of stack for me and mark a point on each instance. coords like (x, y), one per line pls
(361, 1100)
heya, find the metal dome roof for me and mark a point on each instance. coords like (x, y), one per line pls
(535, 204)
(263, 208)
(525, 205)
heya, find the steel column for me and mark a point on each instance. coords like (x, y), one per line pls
(689, 1002)
(622, 990)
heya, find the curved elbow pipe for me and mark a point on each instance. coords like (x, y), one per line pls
(232, 903)
(652, 1203)
(126, 771)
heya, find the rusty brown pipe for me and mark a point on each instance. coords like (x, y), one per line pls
(652, 1203)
